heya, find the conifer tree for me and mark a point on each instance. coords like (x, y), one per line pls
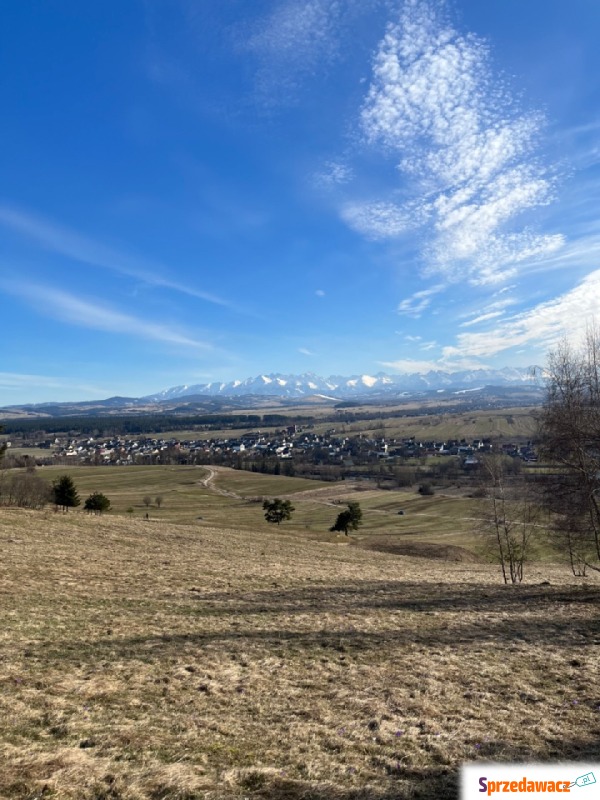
(349, 519)
(64, 493)
(278, 510)
(96, 503)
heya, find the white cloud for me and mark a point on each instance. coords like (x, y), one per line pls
(409, 365)
(296, 29)
(414, 305)
(378, 220)
(305, 351)
(412, 365)
(481, 318)
(15, 380)
(334, 173)
(435, 103)
(291, 42)
(493, 306)
(64, 241)
(320, 293)
(76, 311)
(543, 325)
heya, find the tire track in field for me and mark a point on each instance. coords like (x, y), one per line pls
(209, 482)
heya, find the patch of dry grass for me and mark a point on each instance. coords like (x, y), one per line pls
(160, 662)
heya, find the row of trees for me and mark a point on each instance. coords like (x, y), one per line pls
(66, 496)
(29, 490)
(148, 500)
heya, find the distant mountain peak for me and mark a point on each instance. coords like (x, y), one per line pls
(338, 387)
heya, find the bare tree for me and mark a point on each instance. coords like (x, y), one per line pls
(512, 516)
(3, 446)
(569, 430)
(147, 501)
(25, 490)
(158, 500)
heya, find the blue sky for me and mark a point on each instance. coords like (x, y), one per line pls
(196, 191)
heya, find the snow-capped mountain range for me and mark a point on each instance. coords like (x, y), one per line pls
(339, 387)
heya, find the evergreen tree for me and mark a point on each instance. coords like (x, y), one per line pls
(278, 510)
(64, 493)
(349, 519)
(96, 503)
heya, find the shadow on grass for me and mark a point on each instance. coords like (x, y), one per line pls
(436, 617)
(566, 633)
(424, 784)
(436, 782)
(398, 595)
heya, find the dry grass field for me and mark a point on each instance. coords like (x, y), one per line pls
(219, 496)
(159, 661)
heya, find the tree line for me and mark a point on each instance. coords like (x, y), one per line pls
(148, 423)
(27, 489)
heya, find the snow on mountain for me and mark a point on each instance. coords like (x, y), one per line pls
(352, 386)
(367, 380)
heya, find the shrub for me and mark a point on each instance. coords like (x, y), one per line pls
(96, 503)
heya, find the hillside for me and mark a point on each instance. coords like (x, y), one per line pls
(147, 660)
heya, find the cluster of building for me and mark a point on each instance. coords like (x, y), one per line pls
(330, 446)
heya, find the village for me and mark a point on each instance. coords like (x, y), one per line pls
(274, 451)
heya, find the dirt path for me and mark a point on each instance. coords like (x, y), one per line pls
(209, 483)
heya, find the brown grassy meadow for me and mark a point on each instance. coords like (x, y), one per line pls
(164, 661)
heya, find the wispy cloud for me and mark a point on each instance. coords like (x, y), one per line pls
(414, 305)
(333, 173)
(319, 292)
(378, 220)
(481, 318)
(15, 380)
(305, 351)
(67, 242)
(74, 310)
(541, 326)
(290, 42)
(461, 138)
(412, 365)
